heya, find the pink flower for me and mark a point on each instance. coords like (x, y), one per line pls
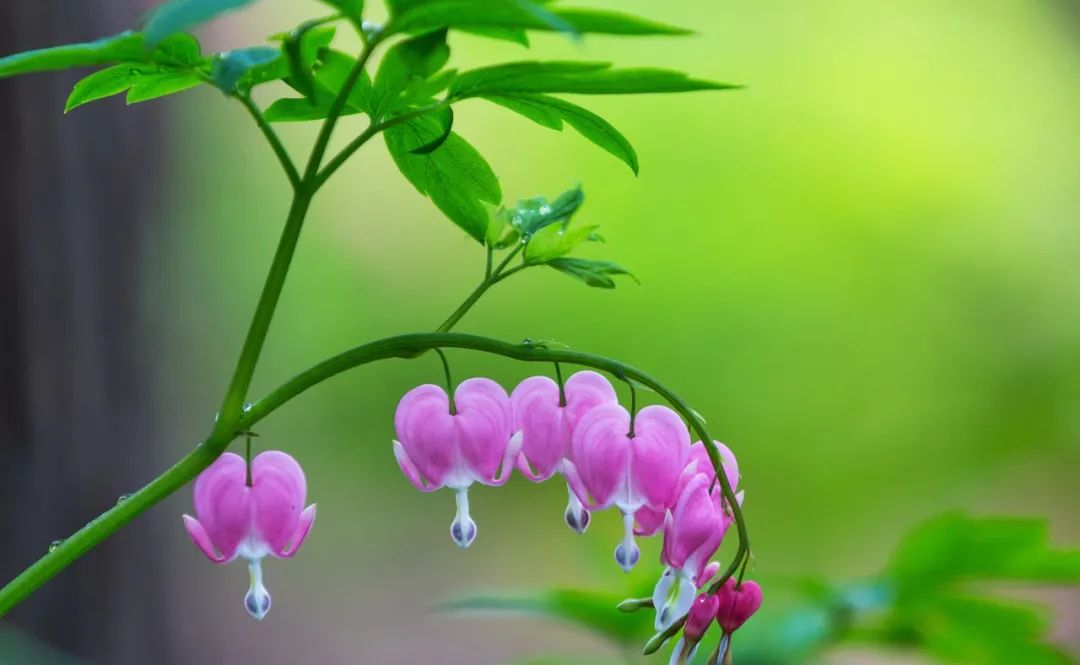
(610, 466)
(692, 535)
(651, 521)
(437, 447)
(701, 615)
(236, 519)
(737, 604)
(546, 425)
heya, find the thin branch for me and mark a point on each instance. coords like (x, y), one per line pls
(273, 139)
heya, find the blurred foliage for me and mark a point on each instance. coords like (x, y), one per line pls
(932, 598)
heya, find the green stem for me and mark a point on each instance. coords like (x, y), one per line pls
(260, 322)
(449, 381)
(365, 136)
(562, 385)
(272, 137)
(334, 113)
(492, 278)
(633, 408)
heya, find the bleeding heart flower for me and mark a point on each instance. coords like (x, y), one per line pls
(737, 604)
(612, 466)
(650, 521)
(546, 422)
(238, 519)
(439, 447)
(692, 535)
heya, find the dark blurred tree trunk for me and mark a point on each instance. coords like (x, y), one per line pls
(76, 412)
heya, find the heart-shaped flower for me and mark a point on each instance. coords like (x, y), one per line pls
(438, 446)
(651, 521)
(614, 465)
(235, 518)
(546, 420)
(738, 602)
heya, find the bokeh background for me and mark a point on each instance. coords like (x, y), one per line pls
(862, 269)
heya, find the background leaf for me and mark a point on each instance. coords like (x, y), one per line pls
(182, 15)
(230, 69)
(519, 15)
(125, 47)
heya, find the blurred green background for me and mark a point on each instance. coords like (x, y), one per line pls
(861, 269)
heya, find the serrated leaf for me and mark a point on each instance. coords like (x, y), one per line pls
(124, 47)
(182, 15)
(589, 78)
(455, 176)
(519, 15)
(591, 610)
(142, 83)
(233, 71)
(551, 112)
(598, 274)
(409, 62)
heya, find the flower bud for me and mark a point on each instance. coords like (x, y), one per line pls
(702, 613)
(737, 603)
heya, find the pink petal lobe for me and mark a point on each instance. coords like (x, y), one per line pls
(601, 452)
(427, 433)
(484, 424)
(223, 503)
(279, 490)
(307, 519)
(202, 540)
(661, 446)
(584, 391)
(542, 424)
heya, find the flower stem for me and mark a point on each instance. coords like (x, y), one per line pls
(449, 381)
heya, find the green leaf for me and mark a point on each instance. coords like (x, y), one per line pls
(592, 610)
(555, 241)
(531, 215)
(142, 83)
(235, 71)
(125, 47)
(182, 15)
(411, 62)
(302, 47)
(350, 8)
(518, 15)
(331, 72)
(590, 78)
(445, 118)
(513, 35)
(956, 548)
(594, 273)
(551, 112)
(454, 176)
